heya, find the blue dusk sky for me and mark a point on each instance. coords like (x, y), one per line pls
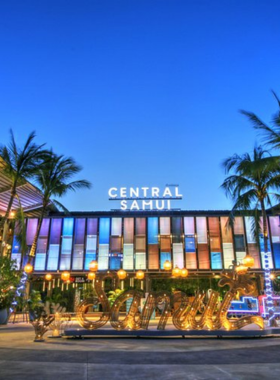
(140, 93)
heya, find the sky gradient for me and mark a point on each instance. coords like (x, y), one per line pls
(140, 93)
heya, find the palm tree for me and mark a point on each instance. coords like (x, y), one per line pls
(271, 134)
(255, 180)
(19, 164)
(53, 178)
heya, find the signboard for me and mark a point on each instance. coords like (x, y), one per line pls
(145, 198)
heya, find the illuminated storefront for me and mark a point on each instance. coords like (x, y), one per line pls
(201, 241)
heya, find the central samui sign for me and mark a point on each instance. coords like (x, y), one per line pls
(145, 198)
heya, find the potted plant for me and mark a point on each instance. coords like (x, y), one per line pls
(9, 280)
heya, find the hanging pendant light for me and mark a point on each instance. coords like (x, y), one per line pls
(48, 277)
(248, 261)
(176, 272)
(184, 272)
(91, 276)
(65, 276)
(28, 268)
(140, 275)
(121, 274)
(167, 265)
(93, 266)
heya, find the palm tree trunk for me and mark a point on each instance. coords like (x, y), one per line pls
(4, 223)
(36, 237)
(267, 280)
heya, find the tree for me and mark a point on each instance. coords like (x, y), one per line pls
(255, 180)
(19, 164)
(53, 178)
(271, 134)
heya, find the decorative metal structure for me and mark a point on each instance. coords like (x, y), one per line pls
(213, 315)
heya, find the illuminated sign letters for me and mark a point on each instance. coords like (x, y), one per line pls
(145, 198)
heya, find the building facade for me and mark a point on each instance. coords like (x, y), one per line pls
(201, 241)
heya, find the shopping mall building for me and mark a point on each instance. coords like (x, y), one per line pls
(201, 241)
(142, 234)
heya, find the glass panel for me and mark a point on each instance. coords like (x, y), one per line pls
(116, 244)
(31, 231)
(275, 238)
(140, 260)
(116, 227)
(177, 229)
(153, 247)
(178, 255)
(128, 246)
(227, 242)
(261, 239)
(54, 246)
(152, 230)
(79, 245)
(140, 226)
(104, 237)
(91, 241)
(153, 255)
(128, 256)
(115, 261)
(16, 254)
(202, 243)
(42, 245)
(66, 243)
(165, 244)
(164, 226)
(190, 247)
(189, 225)
(215, 243)
(128, 230)
(140, 243)
(253, 248)
(239, 239)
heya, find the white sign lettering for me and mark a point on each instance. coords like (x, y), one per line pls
(145, 198)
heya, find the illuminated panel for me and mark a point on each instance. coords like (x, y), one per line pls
(31, 231)
(42, 246)
(116, 229)
(215, 243)
(178, 255)
(227, 242)
(164, 224)
(239, 238)
(79, 244)
(16, 252)
(202, 243)
(253, 249)
(177, 242)
(66, 243)
(269, 255)
(91, 241)
(190, 249)
(165, 241)
(116, 244)
(54, 246)
(140, 243)
(103, 248)
(247, 305)
(153, 246)
(275, 238)
(128, 243)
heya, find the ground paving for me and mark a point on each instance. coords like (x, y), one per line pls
(131, 358)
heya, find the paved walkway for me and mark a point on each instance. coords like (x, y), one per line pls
(130, 358)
